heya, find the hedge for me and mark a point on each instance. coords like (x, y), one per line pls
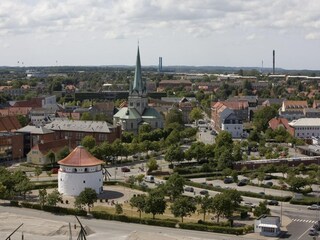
(45, 185)
(123, 218)
(55, 209)
(305, 201)
(243, 193)
(217, 229)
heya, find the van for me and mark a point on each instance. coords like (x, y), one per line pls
(149, 179)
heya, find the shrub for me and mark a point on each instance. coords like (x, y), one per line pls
(14, 203)
(55, 209)
(218, 229)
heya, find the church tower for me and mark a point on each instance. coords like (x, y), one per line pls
(138, 89)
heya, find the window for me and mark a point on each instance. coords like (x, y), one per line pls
(86, 169)
(84, 181)
(131, 125)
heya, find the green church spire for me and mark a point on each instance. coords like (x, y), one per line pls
(138, 84)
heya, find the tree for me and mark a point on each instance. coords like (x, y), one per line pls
(86, 116)
(54, 197)
(87, 197)
(174, 154)
(173, 138)
(88, 142)
(173, 116)
(152, 165)
(262, 117)
(205, 204)
(118, 208)
(261, 209)
(37, 171)
(139, 202)
(52, 157)
(296, 182)
(221, 206)
(23, 120)
(23, 186)
(131, 180)
(174, 186)
(155, 203)
(196, 150)
(196, 114)
(183, 207)
(63, 153)
(42, 197)
(224, 138)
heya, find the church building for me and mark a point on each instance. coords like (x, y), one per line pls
(138, 112)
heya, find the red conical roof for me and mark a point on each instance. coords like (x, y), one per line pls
(80, 157)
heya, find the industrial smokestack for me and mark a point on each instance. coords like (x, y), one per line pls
(160, 65)
(274, 62)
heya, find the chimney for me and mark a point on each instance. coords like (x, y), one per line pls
(274, 62)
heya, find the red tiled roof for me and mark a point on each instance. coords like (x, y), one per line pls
(9, 123)
(80, 157)
(295, 104)
(54, 146)
(34, 103)
(274, 123)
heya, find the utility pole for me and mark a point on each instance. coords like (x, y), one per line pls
(9, 237)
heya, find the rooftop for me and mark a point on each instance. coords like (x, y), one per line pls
(80, 157)
(305, 122)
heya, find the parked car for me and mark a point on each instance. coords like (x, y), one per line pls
(241, 183)
(228, 180)
(125, 169)
(316, 225)
(267, 177)
(273, 202)
(149, 178)
(270, 184)
(204, 192)
(314, 207)
(262, 193)
(188, 189)
(249, 204)
(313, 232)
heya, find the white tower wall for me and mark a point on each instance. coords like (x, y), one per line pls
(72, 184)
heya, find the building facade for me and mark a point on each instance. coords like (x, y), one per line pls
(306, 128)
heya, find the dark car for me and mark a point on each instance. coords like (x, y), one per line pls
(125, 169)
(241, 183)
(273, 202)
(188, 189)
(262, 193)
(267, 177)
(269, 184)
(204, 192)
(228, 180)
(313, 232)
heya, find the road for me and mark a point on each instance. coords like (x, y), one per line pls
(102, 229)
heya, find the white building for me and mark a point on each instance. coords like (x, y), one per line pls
(233, 125)
(306, 128)
(79, 170)
(267, 225)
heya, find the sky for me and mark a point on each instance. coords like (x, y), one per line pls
(235, 33)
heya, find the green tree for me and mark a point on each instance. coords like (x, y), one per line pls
(183, 207)
(155, 203)
(205, 204)
(23, 186)
(86, 116)
(38, 171)
(261, 209)
(42, 197)
(152, 165)
(118, 208)
(63, 153)
(296, 182)
(173, 138)
(54, 197)
(52, 157)
(139, 202)
(89, 142)
(262, 117)
(195, 114)
(86, 198)
(174, 154)
(196, 150)
(221, 206)
(23, 120)
(173, 116)
(174, 186)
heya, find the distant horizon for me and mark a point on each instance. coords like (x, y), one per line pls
(184, 33)
(171, 66)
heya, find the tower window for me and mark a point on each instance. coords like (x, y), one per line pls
(138, 104)
(84, 181)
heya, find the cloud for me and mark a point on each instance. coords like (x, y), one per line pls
(125, 18)
(312, 36)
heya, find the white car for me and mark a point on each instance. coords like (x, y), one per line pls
(314, 207)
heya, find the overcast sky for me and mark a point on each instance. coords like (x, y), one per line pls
(184, 32)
